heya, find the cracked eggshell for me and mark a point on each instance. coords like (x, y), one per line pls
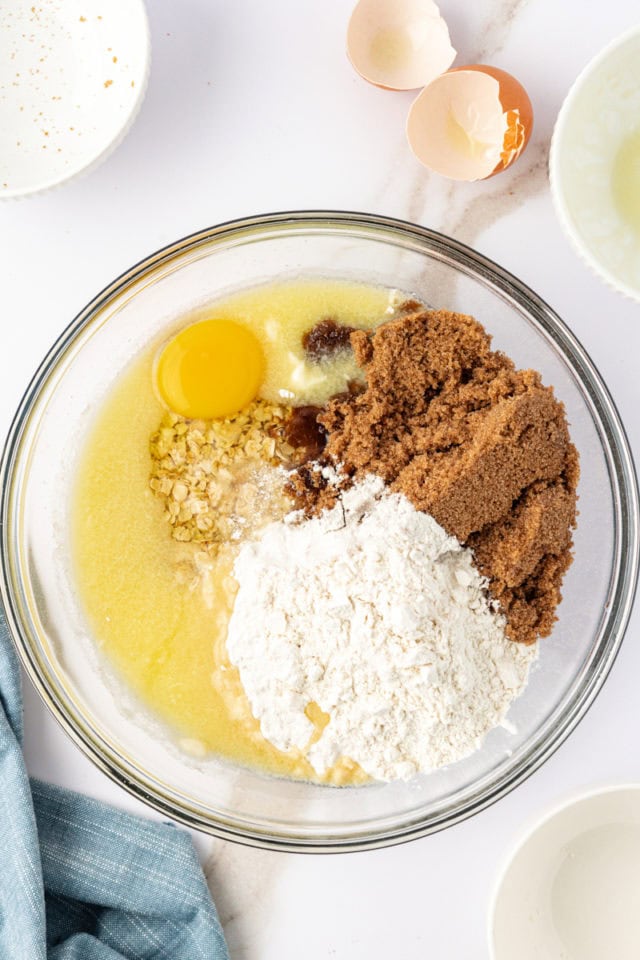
(470, 123)
(399, 44)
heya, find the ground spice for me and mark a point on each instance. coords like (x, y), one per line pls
(483, 447)
(327, 338)
(303, 432)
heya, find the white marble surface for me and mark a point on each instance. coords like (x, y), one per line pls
(252, 107)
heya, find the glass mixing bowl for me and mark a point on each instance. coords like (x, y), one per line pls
(46, 617)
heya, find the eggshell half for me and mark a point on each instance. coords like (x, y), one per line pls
(399, 44)
(470, 123)
(518, 108)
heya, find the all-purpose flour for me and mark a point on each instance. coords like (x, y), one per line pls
(374, 613)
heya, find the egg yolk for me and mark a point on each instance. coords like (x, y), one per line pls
(211, 369)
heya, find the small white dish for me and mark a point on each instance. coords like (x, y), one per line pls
(594, 164)
(72, 77)
(571, 888)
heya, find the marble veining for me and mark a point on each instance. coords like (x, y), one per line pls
(243, 883)
(498, 21)
(247, 112)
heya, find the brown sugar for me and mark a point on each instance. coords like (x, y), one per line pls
(520, 440)
(481, 446)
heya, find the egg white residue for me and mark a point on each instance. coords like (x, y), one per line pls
(399, 44)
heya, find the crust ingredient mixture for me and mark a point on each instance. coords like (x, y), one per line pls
(164, 497)
(312, 520)
(482, 447)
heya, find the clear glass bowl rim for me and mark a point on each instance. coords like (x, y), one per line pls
(465, 260)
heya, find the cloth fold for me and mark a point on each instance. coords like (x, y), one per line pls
(80, 880)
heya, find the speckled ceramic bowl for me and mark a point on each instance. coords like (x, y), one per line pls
(49, 625)
(72, 78)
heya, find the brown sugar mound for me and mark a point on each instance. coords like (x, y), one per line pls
(483, 447)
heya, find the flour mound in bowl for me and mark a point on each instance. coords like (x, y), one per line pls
(367, 632)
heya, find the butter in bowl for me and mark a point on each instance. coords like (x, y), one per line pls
(595, 164)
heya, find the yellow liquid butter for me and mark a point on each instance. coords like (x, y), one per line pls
(165, 639)
(625, 180)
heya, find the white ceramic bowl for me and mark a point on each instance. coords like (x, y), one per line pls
(599, 115)
(571, 888)
(72, 78)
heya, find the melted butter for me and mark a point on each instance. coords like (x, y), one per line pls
(165, 638)
(625, 180)
(279, 315)
(318, 718)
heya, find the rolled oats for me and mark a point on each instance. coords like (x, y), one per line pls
(203, 471)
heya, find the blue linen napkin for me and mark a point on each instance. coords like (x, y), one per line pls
(82, 881)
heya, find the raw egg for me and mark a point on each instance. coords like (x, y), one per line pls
(470, 123)
(210, 369)
(399, 44)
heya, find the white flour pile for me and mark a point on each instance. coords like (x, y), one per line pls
(374, 613)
